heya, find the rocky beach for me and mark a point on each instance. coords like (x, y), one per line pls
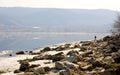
(95, 57)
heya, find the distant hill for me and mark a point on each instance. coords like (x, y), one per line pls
(52, 19)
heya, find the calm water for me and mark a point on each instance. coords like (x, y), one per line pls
(29, 41)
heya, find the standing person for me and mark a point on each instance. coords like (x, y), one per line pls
(95, 38)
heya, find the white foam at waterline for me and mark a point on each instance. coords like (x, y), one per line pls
(5, 52)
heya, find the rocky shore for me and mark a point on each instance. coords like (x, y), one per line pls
(97, 57)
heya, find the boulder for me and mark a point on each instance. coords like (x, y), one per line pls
(117, 59)
(71, 72)
(47, 69)
(58, 57)
(38, 58)
(17, 71)
(20, 52)
(108, 51)
(65, 72)
(82, 48)
(34, 65)
(59, 65)
(27, 73)
(2, 72)
(74, 58)
(24, 66)
(60, 48)
(39, 71)
(87, 68)
(30, 70)
(108, 59)
(67, 46)
(110, 72)
(71, 66)
(65, 64)
(30, 52)
(106, 38)
(76, 46)
(46, 49)
(87, 53)
(85, 43)
(41, 57)
(42, 70)
(98, 64)
(72, 52)
(114, 49)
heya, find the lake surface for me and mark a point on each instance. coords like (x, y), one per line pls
(32, 40)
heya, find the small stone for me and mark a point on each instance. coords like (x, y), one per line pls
(83, 48)
(10, 54)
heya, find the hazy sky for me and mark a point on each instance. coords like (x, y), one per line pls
(82, 4)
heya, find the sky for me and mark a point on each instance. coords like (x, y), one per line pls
(77, 4)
